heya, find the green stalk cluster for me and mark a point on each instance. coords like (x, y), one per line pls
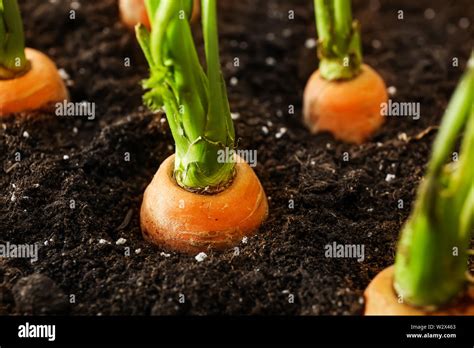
(431, 262)
(195, 101)
(339, 44)
(12, 41)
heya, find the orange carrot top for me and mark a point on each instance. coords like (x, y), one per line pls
(344, 96)
(13, 60)
(29, 80)
(203, 197)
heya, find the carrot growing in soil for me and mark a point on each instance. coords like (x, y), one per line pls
(344, 96)
(134, 12)
(430, 274)
(196, 200)
(28, 79)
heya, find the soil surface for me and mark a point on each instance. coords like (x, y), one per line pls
(73, 191)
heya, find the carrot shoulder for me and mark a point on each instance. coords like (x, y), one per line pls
(381, 299)
(177, 219)
(349, 109)
(39, 87)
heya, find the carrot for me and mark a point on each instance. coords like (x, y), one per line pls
(182, 220)
(343, 96)
(431, 264)
(381, 299)
(349, 109)
(40, 87)
(134, 12)
(29, 80)
(197, 199)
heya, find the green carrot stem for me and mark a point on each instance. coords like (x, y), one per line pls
(219, 112)
(195, 102)
(342, 19)
(12, 41)
(339, 48)
(431, 260)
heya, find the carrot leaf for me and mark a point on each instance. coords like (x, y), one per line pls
(339, 46)
(195, 101)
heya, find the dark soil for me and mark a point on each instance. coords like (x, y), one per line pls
(68, 204)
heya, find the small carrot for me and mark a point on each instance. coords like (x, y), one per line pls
(381, 299)
(29, 80)
(196, 201)
(344, 96)
(134, 12)
(431, 265)
(182, 220)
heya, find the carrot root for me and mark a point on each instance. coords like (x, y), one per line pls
(348, 109)
(381, 299)
(37, 89)
(176, 219)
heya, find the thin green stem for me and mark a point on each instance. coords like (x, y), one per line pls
(342, 21)
(339, 48)
(454, 119)
(322, 10)
(219, 113)
(196, 103)
(12, 41)
(432, 255)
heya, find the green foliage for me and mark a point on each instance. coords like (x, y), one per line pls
(195, 101)
(432, 255)
(339, 48)
(12, 41)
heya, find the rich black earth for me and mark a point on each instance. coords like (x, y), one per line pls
(348, 202)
